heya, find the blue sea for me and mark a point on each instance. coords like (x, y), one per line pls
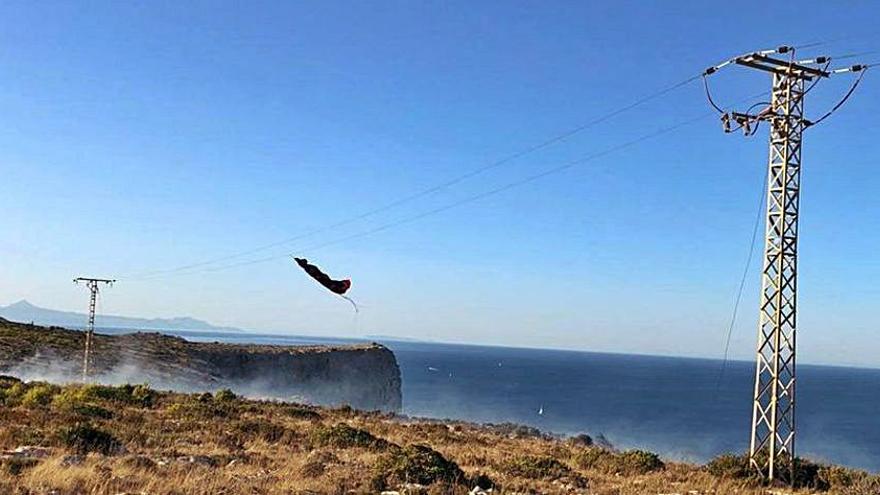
(677, 407)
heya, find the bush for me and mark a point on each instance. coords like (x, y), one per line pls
(225, 395)
(807, 474)
(202, 409)
(84, 438)
(730, 466)
(582, 440)
(13, 395)
(302, 413)
(136, 395)
(535, 467)
(631, 462)
(16, 465)
(514, 430)
(837, 477)
(343, 436)
(143, 395)
(640, 462)
(267, 431)
(74, 400)
(418, 464)
(92, 411)
(316, 464)
(39, 395)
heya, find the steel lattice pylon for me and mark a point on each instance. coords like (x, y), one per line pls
(772, 444)
(773, 418)
(92, 284)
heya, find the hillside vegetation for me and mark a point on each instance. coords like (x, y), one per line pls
(80, 439)
(363, 375)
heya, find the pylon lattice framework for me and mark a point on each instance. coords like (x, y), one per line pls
(772, 441)
(92, 284)
(773, 418)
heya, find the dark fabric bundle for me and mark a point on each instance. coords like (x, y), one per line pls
(338, 286)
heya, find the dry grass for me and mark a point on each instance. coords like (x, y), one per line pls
(112, 440)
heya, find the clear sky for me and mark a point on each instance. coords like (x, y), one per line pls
(141, 136)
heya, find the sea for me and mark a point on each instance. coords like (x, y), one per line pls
(682, 408)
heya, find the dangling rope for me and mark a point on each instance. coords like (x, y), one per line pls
(356, 310)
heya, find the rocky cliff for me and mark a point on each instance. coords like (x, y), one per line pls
(362, 376)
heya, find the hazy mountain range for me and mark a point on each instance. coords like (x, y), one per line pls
(25, 312)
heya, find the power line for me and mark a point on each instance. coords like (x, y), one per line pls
(837, 39)
(742, 283)
(475, 197)
(433, 189)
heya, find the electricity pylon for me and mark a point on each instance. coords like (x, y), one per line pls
(772, 445)
(92, 284)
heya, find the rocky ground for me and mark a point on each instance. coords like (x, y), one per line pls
(85, 439)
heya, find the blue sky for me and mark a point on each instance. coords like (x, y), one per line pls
(146, 136)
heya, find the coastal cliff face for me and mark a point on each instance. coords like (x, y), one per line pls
(363, 376)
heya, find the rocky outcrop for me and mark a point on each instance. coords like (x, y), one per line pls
(363, 376)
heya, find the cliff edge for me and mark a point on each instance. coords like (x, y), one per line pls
(363, 376)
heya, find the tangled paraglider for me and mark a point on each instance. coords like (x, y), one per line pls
(339, 287)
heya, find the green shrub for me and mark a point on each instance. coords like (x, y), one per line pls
(135, 395)
(836, 477)
(302, 413)
(316, 464)
(807, 474)
(418, 464)
(75, 400)
(12, 395)
(582, 440)
(143, 395)
(267, 431)
(39, 395)
(225, 395)
(16, 465)
(640, 462)
(631, 462)
(535, 467)
(92, 411)
(343, 436)
(200, 409)
(84, 438)
(730, 466)
(7, 381)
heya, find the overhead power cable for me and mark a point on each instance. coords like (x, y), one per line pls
(862, 70)
(836, 39)
(469, 199)
(759, 215)
(430, 190)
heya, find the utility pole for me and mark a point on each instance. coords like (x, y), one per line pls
(772, 444)
(92, 284)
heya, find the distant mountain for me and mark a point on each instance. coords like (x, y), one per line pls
(23, 311)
